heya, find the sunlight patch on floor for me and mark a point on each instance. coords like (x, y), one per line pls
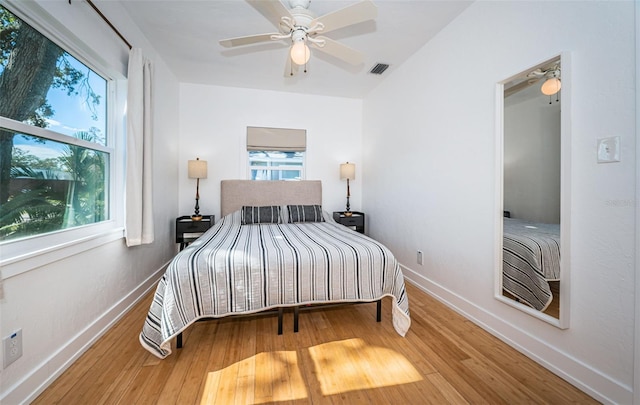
(341, 366)
(265, 377)
(351, 364)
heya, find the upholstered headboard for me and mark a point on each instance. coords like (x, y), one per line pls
(236, 193)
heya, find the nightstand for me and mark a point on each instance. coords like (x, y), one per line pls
(355, 221)
(188, 230)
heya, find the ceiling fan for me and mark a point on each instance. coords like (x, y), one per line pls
(551, 85)
(301, 28)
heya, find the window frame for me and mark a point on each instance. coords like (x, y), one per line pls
(24, 254)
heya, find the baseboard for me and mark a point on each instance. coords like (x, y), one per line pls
(51, 368)
(569, 368)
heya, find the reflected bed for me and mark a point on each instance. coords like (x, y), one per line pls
(530, 260)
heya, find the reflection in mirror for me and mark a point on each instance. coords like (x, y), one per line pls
(531, 191)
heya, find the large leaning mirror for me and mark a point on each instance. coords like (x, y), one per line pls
(533, 165)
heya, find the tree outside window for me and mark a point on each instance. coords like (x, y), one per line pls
(54, 156)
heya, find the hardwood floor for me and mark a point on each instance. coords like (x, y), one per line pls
(340, 356)
(554, 306)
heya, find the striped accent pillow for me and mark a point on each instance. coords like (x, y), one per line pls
(305, 213)
(261, 215)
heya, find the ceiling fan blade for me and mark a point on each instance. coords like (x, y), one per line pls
(340, 51)
(353, 14)
(248, 40)
(273, 10)
(290, 68)
(517, 87)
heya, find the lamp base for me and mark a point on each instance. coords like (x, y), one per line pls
(348, 213)
(196, 217)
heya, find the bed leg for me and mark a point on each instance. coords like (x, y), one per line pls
(280, 312)
(179, 341)
(379, 311)
(296, 312)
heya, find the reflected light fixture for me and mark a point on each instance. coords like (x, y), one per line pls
(348, 172)
(197, 169)
(300, 52)
(553, 84)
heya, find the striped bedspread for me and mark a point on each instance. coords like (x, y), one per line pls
(531, 258)
(242, 269)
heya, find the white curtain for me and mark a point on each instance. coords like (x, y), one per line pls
(139, 204)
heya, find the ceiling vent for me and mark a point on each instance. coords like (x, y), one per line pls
(379, 68)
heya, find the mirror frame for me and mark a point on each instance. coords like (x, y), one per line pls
(565, 195)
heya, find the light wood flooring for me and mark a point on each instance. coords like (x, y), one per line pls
(554, 307)
(340, 356)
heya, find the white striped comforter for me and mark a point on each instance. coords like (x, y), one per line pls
(241, 269)
(531, 258)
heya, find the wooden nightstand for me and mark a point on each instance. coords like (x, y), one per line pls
(355, 221)
(188, 230)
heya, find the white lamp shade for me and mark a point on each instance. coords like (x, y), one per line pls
(551, 86)
(197, 169)
(347, 171)
(300, 52)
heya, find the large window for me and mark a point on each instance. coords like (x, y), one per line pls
(55, 154)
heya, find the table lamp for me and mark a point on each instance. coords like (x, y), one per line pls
(197, 170)
(348, 172)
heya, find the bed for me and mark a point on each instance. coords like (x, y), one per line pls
(531, 259)
(273, 248)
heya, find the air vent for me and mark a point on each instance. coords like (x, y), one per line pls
(379, 68)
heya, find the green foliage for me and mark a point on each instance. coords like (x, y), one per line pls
(86, 199)
(66, 76)
(9, 25)
(42, 195)
(53, 194)
(34, 210)
(21, 160)
(11, 30)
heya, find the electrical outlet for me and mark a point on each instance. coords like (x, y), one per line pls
(419, 258)
(12, 346)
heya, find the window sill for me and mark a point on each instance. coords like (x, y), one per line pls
(22, 263)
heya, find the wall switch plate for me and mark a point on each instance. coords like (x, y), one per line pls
(12, 346)
(419, 258)
(609, 149)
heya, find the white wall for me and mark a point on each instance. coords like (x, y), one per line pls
(440, 195)
(425, 178)
(532, 157)
(64, 306)
(213, 125)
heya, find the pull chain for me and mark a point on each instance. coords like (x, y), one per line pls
(305, 57)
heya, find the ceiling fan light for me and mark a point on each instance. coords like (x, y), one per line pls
(551, 86)
(300, 52)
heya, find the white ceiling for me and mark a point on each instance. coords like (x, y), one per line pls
(186, 34)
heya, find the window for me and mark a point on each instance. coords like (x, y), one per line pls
(276, 165)
(60, 175)
(276, 153)
(55, 161)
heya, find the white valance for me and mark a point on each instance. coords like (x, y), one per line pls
(281, 139)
